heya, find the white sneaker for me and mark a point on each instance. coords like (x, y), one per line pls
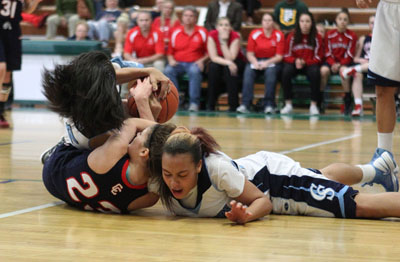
(268, 110)
(193, 107)
(314, 110)
(242, 109)
(287, 109)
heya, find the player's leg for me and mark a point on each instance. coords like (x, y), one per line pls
(357, 89)
(383, 170)
(378, 205)
(385, 116)
(343, 173)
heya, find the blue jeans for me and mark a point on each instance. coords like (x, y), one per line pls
(195, 78)
(270, 79)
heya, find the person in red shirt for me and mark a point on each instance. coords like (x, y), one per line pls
(145, 45)
(166, 21)
(227, 64)
(265, 49)
(303, 54)
(340, 48)
(187, 52)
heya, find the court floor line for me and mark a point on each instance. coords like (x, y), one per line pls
(27, 210)
(319, 144)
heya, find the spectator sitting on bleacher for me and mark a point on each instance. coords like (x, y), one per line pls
(104, 25)
(145, 45)
(127, 21)
(166, 21)
(286, 12)
(66, 15)
(340, 47)
(187, 52)
(303, 55)
(227, 64)
(224, 8)
(250, 6)
(265, 49)
(321, 30)
(357, 71)
(81, 32)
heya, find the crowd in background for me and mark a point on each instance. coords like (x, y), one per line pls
(287, 43)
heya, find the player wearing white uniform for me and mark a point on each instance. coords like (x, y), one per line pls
(197, 180)
(384, 67)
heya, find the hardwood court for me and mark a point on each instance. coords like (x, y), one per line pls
(35, 227)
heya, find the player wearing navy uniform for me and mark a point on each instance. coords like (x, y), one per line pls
(10, 45)
(111, 178)
(197, 180)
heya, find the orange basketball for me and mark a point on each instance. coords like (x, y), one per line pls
(169, 105)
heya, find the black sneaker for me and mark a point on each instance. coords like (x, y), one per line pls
(46, 154)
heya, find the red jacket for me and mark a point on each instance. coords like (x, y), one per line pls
(340, 47)
(311, 55)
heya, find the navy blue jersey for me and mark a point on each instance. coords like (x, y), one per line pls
(67, 176)
(366, 47)
(11, 11)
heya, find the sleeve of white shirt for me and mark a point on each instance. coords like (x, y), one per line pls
(225, 175)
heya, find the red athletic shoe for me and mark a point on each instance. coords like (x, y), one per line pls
(358, 110)
(3, 122)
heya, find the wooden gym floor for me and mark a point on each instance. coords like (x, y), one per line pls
(34, 226)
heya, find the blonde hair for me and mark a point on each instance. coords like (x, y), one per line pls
(173, 17)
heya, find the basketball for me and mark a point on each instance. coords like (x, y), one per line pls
(169, 105)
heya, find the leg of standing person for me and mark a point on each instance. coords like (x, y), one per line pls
(314, 76)
(384, 70)
(288, 72)
(214, 80)
(249, 77)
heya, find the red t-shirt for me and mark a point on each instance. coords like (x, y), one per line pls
(166, 28)
(232, 36)
(311, 55)
(266, 47)
(188, 48)
(340, 47)
(135, 42)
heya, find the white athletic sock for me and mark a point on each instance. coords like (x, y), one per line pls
(358, 101)
(358, 68)
(368, 173)
(385, 141)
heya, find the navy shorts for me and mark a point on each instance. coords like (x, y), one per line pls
(375, 79)
(11, 47)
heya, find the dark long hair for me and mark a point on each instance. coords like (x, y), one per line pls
(298, 37)
(197, 142)
(84, 91)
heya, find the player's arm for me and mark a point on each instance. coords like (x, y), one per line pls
(104, 157)
(31, 5)
(359, 47)
(250, 205)
(147, 200)
(127, 74)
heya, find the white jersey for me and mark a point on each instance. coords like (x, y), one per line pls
(293, 190)
(385, 46)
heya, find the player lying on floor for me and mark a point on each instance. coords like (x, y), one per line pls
(195, 179)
